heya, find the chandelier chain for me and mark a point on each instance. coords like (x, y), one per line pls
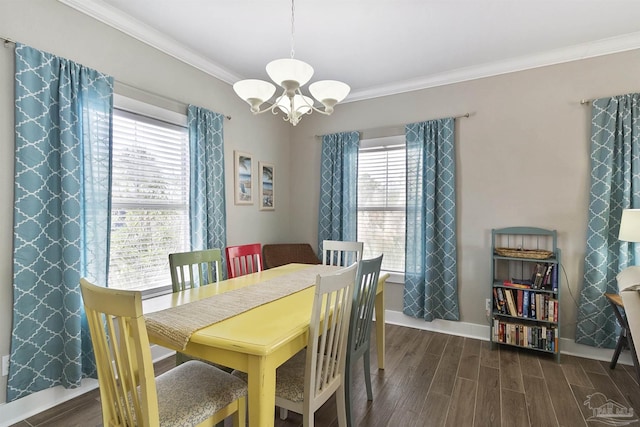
(293, 28)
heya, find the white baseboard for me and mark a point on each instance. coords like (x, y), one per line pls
(481, 332)
(21, 409)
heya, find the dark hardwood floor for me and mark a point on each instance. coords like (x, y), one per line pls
(434, 379)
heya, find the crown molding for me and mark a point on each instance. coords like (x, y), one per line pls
(142, 32)
(558, 56)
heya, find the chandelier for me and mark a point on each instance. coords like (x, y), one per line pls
(290, 74)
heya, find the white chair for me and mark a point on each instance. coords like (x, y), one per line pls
(307, 380)
(335, 252)
(193, 393)
(629, 289)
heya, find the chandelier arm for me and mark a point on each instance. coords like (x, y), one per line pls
(311, 105)
(271, 108)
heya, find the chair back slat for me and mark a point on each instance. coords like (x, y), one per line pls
(243, 259)
(328, 331)
(335, 252)
(123, 355)
(364, 302)
(195, 268)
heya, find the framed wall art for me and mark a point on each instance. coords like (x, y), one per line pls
(267, 186)
(243, 188)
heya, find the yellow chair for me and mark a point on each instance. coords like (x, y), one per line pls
(364, 298)
(306, 381)
(335, 252)
(195, 268)
(193, 393)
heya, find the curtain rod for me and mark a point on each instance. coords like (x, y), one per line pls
(589, 101)
(155, 95)
(392, 127)
(10, 43)
(7, 42)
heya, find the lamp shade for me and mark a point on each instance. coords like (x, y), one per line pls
(630, 225)
(289, 69)
(254, 89)
(329, 89)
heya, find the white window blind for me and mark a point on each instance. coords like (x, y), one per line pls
(150, 200)
(381, 202)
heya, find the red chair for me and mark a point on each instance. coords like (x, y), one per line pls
(243, 259)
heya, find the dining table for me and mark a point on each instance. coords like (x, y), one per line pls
(252, 323)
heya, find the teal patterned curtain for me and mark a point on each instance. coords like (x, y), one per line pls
(431, 274)
(338, 216)
(207, 197)
(61, 216)
(615, 185)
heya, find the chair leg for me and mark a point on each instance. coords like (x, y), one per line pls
(342, 407)
(239, 418)
(347, 393)
(307, 417)
(367, 374)
(284, 413)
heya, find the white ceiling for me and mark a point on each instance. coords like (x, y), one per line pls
(378, 47)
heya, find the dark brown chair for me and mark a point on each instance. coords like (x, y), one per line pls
(278, 254)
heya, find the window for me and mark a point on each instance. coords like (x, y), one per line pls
(381, 200)
(149, 202)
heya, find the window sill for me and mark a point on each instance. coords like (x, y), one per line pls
(394, 277)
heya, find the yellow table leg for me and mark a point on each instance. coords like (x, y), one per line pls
(262, 391)
(379, 306)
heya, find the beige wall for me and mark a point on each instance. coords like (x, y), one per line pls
(58, 29)
(522, 159)
(522, 156)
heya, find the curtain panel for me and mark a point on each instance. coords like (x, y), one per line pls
(431, 275)
(61, 216)
(338, 215)
(207, 215)
(615, 185)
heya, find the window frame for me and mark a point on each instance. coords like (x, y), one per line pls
(386, 143)
(153, 112)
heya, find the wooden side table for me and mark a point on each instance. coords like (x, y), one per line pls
(624, 340)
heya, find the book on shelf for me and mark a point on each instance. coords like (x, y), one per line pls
(546, 282)
(532, 306)
(497, 303)
(537, 277)
(554, 278)
(501, 300)
(529, 336)
(518, 283)
(519, 298)
(525, 303)
(511, 303)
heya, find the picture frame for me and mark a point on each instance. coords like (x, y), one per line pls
(266, 172)
(243, 178)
